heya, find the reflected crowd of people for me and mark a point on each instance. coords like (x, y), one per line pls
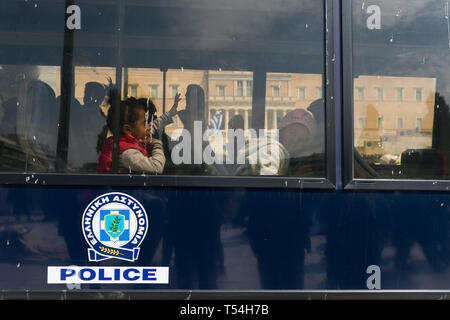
(31, 122)
(191, 242)
(279, 237)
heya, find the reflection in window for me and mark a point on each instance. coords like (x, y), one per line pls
(419, 123)
(392, 126)
(173, 90)
(399, 94)
(226, 115)
(29, 118)
(319, 92)
(359, 93)
(380, 123)
(239, 88)
(238, 97)
(153, 91)
(406, 136)
(133, 90)
(418, 94)
(275, 91)
(249, 88)
(288, 105)
(221, 91)
(87, 129)
(380, 94)
(302, 93)
(360, 123)
(30, 121)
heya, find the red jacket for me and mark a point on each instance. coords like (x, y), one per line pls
(126, 141)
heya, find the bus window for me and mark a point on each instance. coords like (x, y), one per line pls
(401, 89)
(250, 79)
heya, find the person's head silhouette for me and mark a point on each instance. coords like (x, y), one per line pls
(94, 94)
(195, 106)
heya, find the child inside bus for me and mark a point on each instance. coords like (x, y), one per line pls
(139, 150)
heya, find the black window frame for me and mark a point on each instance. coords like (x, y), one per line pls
(349, 181)
(135, 180)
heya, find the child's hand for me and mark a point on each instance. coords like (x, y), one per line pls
(154, 140)
(149, 140)
(173, 110)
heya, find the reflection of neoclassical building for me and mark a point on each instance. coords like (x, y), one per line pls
(391, 114)
(231, 92)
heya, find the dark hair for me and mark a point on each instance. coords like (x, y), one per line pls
(128, 110)
(237, 122)
(148, 105)
(98, 89)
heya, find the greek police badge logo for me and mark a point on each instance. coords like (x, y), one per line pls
(114, 225)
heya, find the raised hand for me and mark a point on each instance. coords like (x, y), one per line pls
(173, 111)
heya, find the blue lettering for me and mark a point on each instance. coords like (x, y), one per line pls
(67, 273)
(91, 274)
(116, 274)
(149, 274)
(101, 275)
(126, 275)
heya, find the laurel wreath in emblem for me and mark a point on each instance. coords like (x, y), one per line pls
(110, 251)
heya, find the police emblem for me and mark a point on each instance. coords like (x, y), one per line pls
(114, 225)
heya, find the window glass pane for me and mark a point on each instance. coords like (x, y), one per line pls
(399, 94)
(302, 93)
(319, 92)
(250, 79)
(29, 117)
(249, 89)
(359, 93)
(221, 91)
(153, 91)
(88, 110)
(275, 91)
(133, 90)
(419, 94)
(401, 56)
(239, 88)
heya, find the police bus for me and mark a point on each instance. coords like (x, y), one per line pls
(171, 148)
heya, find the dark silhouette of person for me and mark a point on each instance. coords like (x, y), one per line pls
(441, 131)
(87, 129)
(237, 122)
(192, 114)
(278, 233)
(194, 226)
(8, 128)
(37, 125)
(317, 108)
(354, 225)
